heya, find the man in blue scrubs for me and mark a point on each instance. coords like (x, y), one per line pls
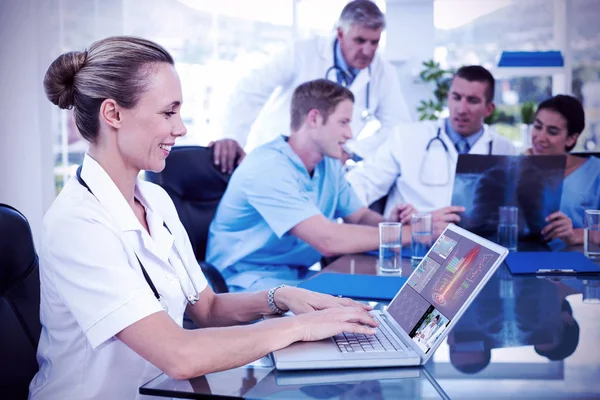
(278, 215)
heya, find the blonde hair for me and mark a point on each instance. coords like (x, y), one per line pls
(321, 94)
(115, 68)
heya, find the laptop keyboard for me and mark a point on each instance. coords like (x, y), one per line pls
(356, 342)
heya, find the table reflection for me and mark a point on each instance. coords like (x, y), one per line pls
(373, 383)
(537, 336)
(267, 383)
(511, 312)
(526, 334)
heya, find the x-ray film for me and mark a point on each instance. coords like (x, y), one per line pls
(484, 183)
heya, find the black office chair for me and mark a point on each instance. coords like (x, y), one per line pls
(379, 205)
(586, 154)
(20, 325)
(196, 187)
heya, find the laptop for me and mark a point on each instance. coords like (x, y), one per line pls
(346, 375)
(418, 319)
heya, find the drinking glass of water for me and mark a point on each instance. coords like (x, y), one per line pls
(422, 229)
(508, 227)
(390, 246)
(591, 292)
(591, 234)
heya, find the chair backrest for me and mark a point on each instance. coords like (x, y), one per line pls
(379, 205)
(587, 154)
(196, 187)
(20, 325)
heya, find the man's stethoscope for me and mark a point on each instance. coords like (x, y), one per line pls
(191, 298)
(346, 80)
(431, 142)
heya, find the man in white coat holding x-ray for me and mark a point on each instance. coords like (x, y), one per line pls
(416, 164)
(349, 58)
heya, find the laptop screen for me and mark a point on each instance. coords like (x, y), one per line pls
(440, 286)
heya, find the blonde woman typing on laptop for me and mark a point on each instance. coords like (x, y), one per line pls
(117, 269)
(558, 123)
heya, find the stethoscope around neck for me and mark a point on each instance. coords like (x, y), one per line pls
(346, 79)
(432, 141)
(192, 298)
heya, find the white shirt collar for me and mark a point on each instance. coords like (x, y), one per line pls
(109, 196)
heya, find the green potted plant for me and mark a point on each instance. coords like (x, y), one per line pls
(433, 73)
(528, 112)
(527, 119)
(493, 117)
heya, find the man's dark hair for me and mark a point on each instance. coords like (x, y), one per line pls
(477, 73)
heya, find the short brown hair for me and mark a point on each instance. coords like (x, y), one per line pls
(477, 73)
(115, 68)
(320, 94)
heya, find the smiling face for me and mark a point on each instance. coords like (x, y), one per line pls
(148, 131)
(359, 45)
(549, 134)
(333, 133)
(468, 105)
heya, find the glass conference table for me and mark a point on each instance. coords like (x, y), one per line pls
(522, 338)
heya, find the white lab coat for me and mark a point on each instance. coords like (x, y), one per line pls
(92, 286)
(259, 109)
(402, 167)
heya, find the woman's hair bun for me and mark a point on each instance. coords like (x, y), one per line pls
(59, 82)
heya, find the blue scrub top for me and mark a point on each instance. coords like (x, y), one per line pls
(581, 191)
(268, 194)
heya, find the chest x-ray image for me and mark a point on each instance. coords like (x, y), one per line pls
(484, 183)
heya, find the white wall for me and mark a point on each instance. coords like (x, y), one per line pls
(563, 83)
(28, 36)
(410, 41)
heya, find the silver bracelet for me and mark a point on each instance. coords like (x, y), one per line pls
(271, 300)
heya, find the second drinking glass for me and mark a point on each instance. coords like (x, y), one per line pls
(508, 227)
(421, 226)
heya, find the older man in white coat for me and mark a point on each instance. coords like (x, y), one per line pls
(416, 164)
(349, 58)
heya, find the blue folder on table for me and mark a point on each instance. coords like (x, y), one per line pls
(550, 263)
(366, 287)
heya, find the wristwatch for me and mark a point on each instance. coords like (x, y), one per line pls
(271, 300)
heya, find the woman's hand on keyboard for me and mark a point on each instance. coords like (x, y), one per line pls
(301, 301)
(322, 324)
